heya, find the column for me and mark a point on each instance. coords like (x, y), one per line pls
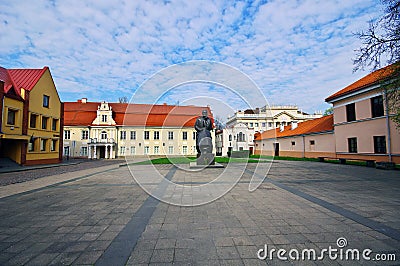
(106, 152)
(89, 152)
(95, 152)
(111, 152)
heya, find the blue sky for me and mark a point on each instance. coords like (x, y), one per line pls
(297, 52)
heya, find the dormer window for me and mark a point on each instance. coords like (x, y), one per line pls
(104, 118)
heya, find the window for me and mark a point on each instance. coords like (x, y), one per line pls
(184, 149)
(133, 134)
(84, 151)
(11, 115)
(351, 112)
(54, 124)
(170, 135)
(251, 124)
(122, 135)
(43, 143)
(184, 135)
(240, 137)
(85, 134)
(170, 149)
(146, 135)
(194, 135)
(133, 149)
(31, 144)
(156, 135)
(256, 124)
(293, 143)
(380, 144)
(46, 101)
(122, 151)
(53, 145)
(377, 106)
(67, 134)
(312, 142)
(156, 149)
(33, 121)
(44, 122)
(263, 124)
(352, 143)
(270, 124)
(103, 118)
(146, 149)
(103, 135)
(230, 137)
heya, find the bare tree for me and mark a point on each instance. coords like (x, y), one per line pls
(380, 47)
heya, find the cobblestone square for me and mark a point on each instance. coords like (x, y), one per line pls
(101, 216)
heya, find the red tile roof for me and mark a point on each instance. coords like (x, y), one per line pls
(83, 114)
(20, 78)
(318, 125)
(369, 80)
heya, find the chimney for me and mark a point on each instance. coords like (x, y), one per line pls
(281, 127)
(294, 125)
(84, 100)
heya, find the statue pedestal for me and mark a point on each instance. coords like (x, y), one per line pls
(205, 160)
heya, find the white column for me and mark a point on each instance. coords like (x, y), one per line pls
(106, 152)
(95, 152)
(111, 152)
(89, 152)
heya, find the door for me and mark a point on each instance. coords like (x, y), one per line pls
(102, 152)
(276, 149)
(251, 150)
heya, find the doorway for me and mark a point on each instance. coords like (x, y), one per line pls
(102, 152)
(276, 149)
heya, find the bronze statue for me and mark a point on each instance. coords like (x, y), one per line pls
(203, 127)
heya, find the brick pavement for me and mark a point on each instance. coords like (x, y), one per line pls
(105, 216)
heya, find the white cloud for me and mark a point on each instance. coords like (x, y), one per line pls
(298, 52)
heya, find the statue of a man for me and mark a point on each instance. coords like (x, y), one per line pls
(203, 127)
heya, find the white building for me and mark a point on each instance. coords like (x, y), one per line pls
(234, 138)
(110, 130)
(265, 118)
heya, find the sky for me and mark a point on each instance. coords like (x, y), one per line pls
(295, 52)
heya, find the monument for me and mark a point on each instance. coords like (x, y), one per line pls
(203, 127)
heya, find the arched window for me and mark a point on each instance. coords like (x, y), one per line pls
(103, 135)
(230, 137)
(240, 137)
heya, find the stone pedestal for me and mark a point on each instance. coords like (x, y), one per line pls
(205, 159)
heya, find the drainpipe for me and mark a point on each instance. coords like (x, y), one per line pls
(388, 125)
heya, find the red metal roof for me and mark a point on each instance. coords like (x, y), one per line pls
(369, 80)
(20, 78)
(83, 114)
(318, 125)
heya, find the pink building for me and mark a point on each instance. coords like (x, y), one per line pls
(360, 127)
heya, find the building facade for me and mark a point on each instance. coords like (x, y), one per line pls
(363, 126)
(234, 138)
(360, 128)
(310, 139)
(108, 130)
(266, 118)
(32, 117)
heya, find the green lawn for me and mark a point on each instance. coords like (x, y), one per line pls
(186, 160)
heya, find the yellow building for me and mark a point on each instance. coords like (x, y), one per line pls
(32, 117)
(97, 130)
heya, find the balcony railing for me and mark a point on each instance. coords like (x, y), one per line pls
(100, 141)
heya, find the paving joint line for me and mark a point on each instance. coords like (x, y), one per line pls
(121, 248)
(374, 225)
